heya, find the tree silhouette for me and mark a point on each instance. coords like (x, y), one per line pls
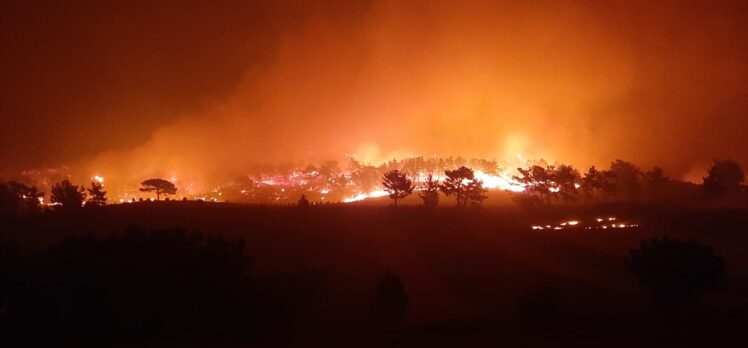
(160, 186)
(10, 203)
(656, 181)
(655, 177)
(430, 192)
(475, 192)
(96, 194)
(461, 183)
(625, 179)
(675, 271)
(29, 196)
(537, 180)
(391, 302)
(607, 184)
(397, 184)
(566, 178)
(456, 182)
(723, 178)
(365, 177)
(487, 166)
(68, 195)
(525, 178)
(303, 202)
(592, 184)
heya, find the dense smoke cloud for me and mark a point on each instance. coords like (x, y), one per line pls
(566, 81)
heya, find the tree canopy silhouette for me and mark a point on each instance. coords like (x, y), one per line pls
(724, 177)
(674, 271)
(10, 203)
(68, 195)
(566, 179)
(625, 179)
(18, 198)
(461, 183)
(159, 186)
(96, 194)
(590, 184)
(656, 177)
(397, 184)
(430, 192)
(476, 193)
(366, 177)
(537, 180)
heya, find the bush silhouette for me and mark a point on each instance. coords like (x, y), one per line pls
(136, 285)
(391, 303)
(674, 271)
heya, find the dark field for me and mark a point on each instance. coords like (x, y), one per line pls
(473, 277)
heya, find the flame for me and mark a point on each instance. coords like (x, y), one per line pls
(97, 178)
(503, 181)
(362, 196)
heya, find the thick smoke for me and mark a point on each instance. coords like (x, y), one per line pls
(656, 84)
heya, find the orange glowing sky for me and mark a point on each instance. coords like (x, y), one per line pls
(202, 87)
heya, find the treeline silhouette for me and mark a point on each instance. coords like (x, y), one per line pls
(460, 182)
(622, 182)
(17, 198)
(543, 185)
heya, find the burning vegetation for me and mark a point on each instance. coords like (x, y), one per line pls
(529, 184)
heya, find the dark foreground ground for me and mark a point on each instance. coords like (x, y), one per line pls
(309, 277)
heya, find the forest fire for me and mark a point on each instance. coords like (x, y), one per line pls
(373, 173)
(345, 186)
(327, 182)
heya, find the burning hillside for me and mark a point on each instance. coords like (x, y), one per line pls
(325, 182)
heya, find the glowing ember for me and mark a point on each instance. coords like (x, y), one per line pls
(587, 226)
